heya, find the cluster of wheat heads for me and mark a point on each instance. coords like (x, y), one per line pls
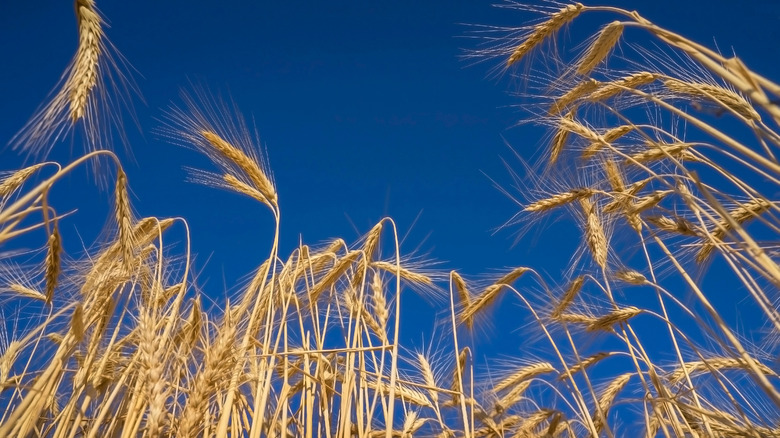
(119, 344)
(663, 153)
(667, 165)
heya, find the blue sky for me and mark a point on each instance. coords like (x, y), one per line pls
(365, 109)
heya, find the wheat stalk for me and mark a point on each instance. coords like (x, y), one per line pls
(26, 292)
(678, 225)
(584, 364)
(659, 151)
(123, 219)
(414, 277)
(460, 286)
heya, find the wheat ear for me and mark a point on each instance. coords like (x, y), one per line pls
(594, 232)
(53, 263)
(568, 297)
(560, 137)
(723, 96)
(252, 170)
(559, 200)
(544, 30)
(524, 373)
(85, 72)
(9, 184)
(601, 47)
(610, 89)
(581, 90)
(607, 398)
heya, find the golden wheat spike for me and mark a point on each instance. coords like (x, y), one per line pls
(558, 200)
(607, 399)
(631, 82)
(85, 72)
(545, 30)
(568, 297)
(594, 232)
(53, 263)
(14, 180)
(600, 48)
(581, 90)
(524, 373)
(561, 136)
(741, 214)
(714, 93)
(252, 170)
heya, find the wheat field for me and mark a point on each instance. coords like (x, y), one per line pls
(660, 149)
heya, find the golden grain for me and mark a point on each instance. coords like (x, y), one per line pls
(584, 364)
(580, 91)
(26, 292)
(600, 48)
(544, 30)
(659, 151)
(406, 274)
(53, 263)
(460, 286)
(594, 233)
(678, 225)
(715, 93)
(524, 373)
(13, 181)
(559, 200)
(743, 213)
(716, 364)
(610, 89)
(560, 137)
(617, 316)
(568, 297)
(630, 276)
(607, 399)
(250, 168)
(85, 71)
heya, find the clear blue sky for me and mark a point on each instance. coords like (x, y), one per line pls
(364, 107)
